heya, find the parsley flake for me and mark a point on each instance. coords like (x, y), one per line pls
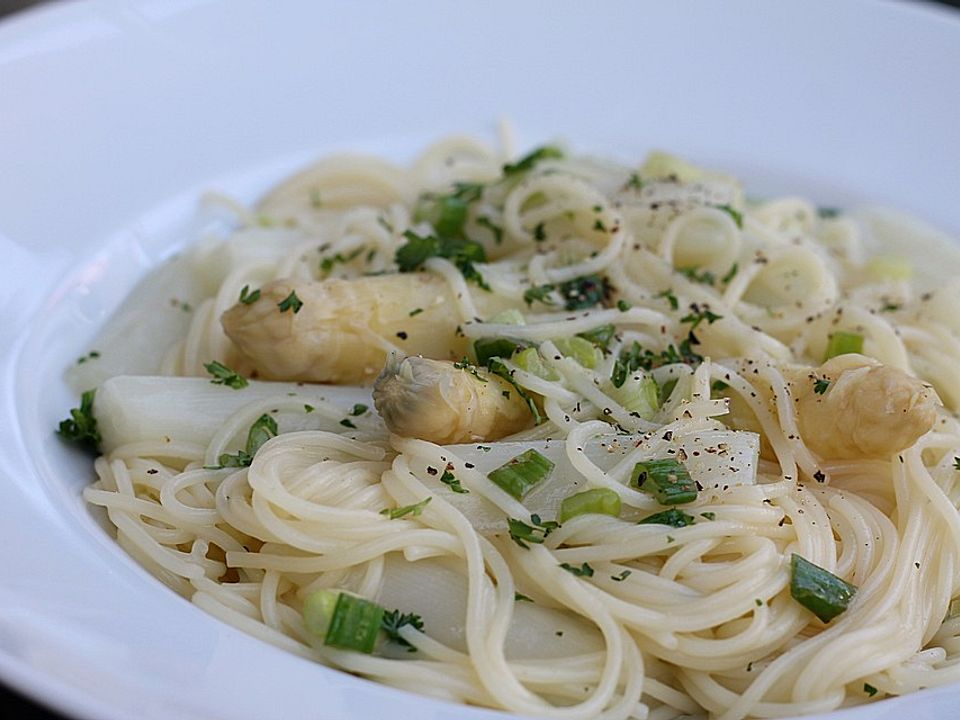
(222, 375)
(291, 302)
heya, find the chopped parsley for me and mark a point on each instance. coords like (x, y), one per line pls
(732, 212)
(731, 274)
(415, 312)
(691, 273)
(393, 620)
(448, 213)
(451, 481)
(869, 689)
(461, 252)
(520, 597)
(527, 162)
(521, 533)
(583, 571)
(92, 355)
(262, 430)
(538, 293)
(485, 222)
(623, 305)
(636, 358)
(81, 427)
(291, 302)
(358, 409)
(956, 463)
(584, 292)
(624, 574)
(222, 375)
(328, 263)
(699, 313)
(820, 386)
(247, 296)
(412, 510)
(670, 298)
(348, 423)
(634, 182)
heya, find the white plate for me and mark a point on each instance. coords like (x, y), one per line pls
(114, 115)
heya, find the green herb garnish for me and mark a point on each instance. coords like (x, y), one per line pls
(819, 590)
(518, 475)
(673, 517)
(583, 571)
(81, 427)
(291, 302)
(521, 533)
(412, 510)
(247, 296)
(222, 375)
(393, 620)
(667, 480)
(262, 430)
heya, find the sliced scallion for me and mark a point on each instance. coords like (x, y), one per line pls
(597, 501)
(819, 590)
(487, 348)
(355, 624)
(842, 343)
(667, 480)
(519, 475)
(586, 353)
(530, 361)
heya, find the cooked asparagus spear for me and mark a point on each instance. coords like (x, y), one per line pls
(438, 401)
(340, 331)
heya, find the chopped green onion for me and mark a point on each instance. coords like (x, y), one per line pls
(842, 343)
(520, 474)
(501, 347)
(222, 375)
(819, 590)
(510, 316)
(666, 390)
(81, 426)
(599, 336)
(318, 610)
(598, 501)
(672, 517)
(583, 351)
(530, 361)
(667, 480)
(355, 624)
(639, 394)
